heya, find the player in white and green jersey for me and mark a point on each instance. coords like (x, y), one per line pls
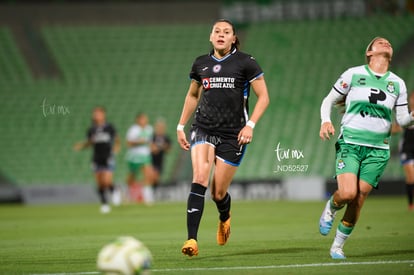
(139, 139)
(370, 94)
(367, 119)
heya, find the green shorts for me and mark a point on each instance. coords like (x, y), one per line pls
(136, 166)
(368, 163)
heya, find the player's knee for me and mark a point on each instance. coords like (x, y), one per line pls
(348, 195)
(218, 195)
(200, 179)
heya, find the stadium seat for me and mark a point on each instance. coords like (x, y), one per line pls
(129, 69)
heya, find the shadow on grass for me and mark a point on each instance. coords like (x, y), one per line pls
(386, 253)
(269, 251)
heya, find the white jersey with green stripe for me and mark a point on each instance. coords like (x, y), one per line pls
(370, 99)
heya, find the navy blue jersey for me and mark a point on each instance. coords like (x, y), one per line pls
(408, 140)
(223, 106)
(102, 138)
(162, 143)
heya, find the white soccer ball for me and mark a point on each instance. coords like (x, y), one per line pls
(124, 256)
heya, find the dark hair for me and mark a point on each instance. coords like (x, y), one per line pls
(140, 114)
(99, 108)
(236, 44)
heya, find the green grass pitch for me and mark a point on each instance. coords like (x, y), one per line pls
(268, 237)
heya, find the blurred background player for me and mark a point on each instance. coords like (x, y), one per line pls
(139, 139)
(161, 144)
(103, 138)
(218, 93)
(406, 148)
(370, 93)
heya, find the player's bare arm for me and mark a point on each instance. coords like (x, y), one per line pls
(117, 145)
(190, 104)
(82, 145)
(260, 89)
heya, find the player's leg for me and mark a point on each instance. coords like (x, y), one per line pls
(101, 185)
(131, 179)
(229, 155)
(156, 174)
(222, 178)
(108, 182)
(132, 170)
(202, 158)
(347, 168)
(372, 167)
(347, 190)
(148, 191)
(409, 180)
(349, 220)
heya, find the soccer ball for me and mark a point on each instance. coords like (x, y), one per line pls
(124, 256)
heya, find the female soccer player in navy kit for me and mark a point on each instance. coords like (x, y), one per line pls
(218, 93)
(407, 155)
(102, 137)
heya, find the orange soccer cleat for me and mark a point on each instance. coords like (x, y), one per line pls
(190, 248)
(223, 232)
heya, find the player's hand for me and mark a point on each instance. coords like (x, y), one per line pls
(182, 140)
(78, 146)
(117, 149)
(245, 135)
(327, 130)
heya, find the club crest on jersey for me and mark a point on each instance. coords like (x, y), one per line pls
(217, 68)
(341, 164)
(206, 83)
(390, 87)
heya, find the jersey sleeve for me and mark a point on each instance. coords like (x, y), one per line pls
(194, 71)
(327, 104)
(252, 68)
(402, 96)
(343, 84)
(131, 134)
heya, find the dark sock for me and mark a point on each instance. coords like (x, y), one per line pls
(223, 207)
(111, 188)
(410, 191)
(195, 207)
(101, 193)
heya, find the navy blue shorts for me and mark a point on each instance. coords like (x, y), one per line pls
(226, 149)
(108, 165)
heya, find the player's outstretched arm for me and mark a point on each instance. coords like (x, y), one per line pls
(82, 145)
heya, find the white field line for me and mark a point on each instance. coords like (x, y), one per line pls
(251, 267)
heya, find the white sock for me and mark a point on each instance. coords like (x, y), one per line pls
(148, 193)
(340, 239)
